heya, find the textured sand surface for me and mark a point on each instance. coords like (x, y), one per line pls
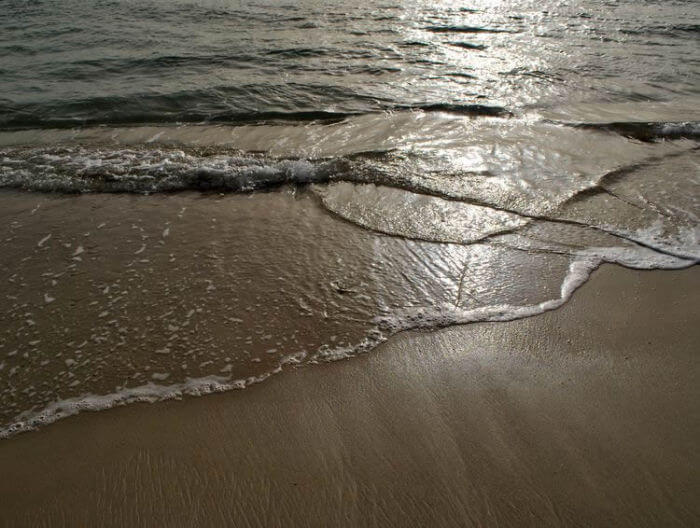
(584, 416)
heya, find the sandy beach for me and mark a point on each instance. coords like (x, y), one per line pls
(349, 264)
(582, 416)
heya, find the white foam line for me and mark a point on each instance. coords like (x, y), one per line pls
(148, 393)
(43, 240)
(152, 392)
(447, 315)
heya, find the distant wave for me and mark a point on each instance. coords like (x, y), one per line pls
(466, 29)
(468, 45)
(647, 131)
(171, 109)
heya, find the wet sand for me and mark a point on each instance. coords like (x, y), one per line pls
(583, 416)
(116, 298)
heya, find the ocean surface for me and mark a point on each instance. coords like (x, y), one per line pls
(479, 160)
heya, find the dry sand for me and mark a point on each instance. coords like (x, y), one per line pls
(584, 416)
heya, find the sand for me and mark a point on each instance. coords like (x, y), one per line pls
(583, 416)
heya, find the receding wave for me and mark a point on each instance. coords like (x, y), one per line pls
(629, 203)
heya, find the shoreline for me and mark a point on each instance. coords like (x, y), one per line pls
(122, 299)
(576, 416)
